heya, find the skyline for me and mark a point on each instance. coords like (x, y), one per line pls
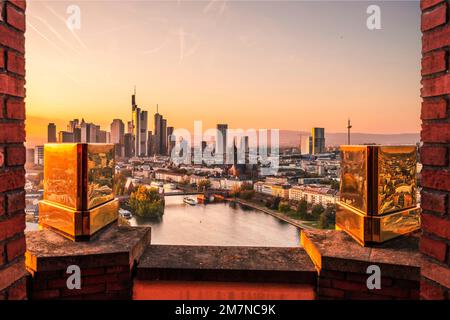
(341, 68)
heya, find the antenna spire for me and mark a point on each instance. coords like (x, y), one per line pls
(349, 126)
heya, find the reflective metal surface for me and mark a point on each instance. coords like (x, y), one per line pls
(376, 229)
(100, 173)
(78, 189)
(62, 174)
(396, 178)
(378, 192)
(353, 188)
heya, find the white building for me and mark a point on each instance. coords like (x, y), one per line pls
(313, 194)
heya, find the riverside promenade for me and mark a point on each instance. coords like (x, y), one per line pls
(278, 215)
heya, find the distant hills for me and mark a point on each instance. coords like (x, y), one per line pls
(290, 138)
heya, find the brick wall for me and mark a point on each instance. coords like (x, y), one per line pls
(435, 240)
(12, 150)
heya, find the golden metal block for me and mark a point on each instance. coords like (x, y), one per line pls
(78, 175)
(378, 192)
(78, 189)
(376, 229)
(77, 225)
(376, 180)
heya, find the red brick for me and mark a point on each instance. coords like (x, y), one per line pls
(12, 39)
(60, 283)
(332, 274)
(432, 201)
(349, 285)
(2, 255)
(434, 156)
(434, 18)
(15, 156)
(14, 272)
(2, 204)
(11, 180)
(45, 294)
(2, 156)
(425, 4)
(436, 179)
(436, 225)
(436, 39)
(436, 86)
(12, 226)
(15, 109)
(16, 63)
(434, 109)
(356, 277)
(332, 293)
(15, 18)
(395, 292)
(12, 86)
(435, 132)
(434, 62)
(324, 283)
(367, 296)
(11, 133)
(92, 271)
(2, 56)
(15, 248)
(434, 248)
(429, 291)
(19, 3)
(118, 269)
(84, 290)
(18, 291)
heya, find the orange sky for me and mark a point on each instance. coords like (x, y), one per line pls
(286, 65)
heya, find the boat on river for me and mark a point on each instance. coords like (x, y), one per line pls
(189, 201)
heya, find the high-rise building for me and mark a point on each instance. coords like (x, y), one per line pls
(143, 134)
(150, 141)
(65, 137)
(170, 143)
(77, 134)
(160, 134)
(51, 133)
(164, 137)
(117, 132)
(221, 142)
(129, 145)
(101, 135)
(72, 125)
(305, 145)
(139, 126)
(39, 155)
(318, 140)
(117, 136)
(30, 155)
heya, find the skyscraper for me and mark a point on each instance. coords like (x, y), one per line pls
(117, 132)
(51, 133)
(160, 134)
(139, 125)
(118, 136)
(129, 145)
(65, 137)
(170, 143)
(221, 142)
(318, 140)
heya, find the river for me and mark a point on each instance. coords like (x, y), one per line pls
(218, 224)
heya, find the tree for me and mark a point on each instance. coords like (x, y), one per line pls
(235, 190)
(317, 211)
(327, 217)
(204, 184)
(284, 207)
(302, 209)
(275, 203)
(147, 202)
(247, 194)
(246, 186)
(119, 184)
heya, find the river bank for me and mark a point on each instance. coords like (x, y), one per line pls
(278, 215)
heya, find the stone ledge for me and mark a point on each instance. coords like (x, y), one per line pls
(114, 246)
(218, 263)
(335, 250)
